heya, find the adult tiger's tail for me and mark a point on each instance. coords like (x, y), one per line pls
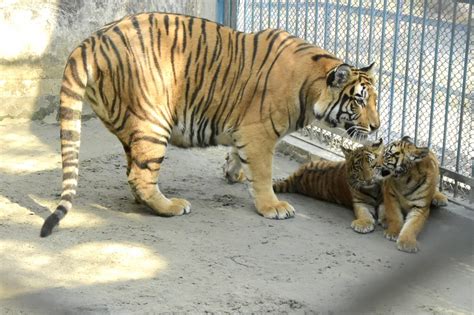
(72, 92)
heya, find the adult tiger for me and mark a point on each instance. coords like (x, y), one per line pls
(156, 78)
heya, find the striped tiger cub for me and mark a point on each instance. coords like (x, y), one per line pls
(156, 78)
(354, 183)
(410, 187)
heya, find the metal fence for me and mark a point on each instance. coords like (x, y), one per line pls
(422, 49)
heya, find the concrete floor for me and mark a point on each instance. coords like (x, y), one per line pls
(111, 255)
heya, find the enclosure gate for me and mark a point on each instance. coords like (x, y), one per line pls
(422, 51)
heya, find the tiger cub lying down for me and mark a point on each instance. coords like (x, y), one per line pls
(410, 184)
(352, 183)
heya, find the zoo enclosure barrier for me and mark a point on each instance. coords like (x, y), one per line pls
(422, 52)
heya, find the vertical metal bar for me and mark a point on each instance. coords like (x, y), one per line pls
(316, 18)
(269, 13)
(420, 69)
(371, 31)
(326, 21)
(448, 87)
(245, 15)
(297, 4)
(384, 20)
(336, 28)
(220, 11)
(235, 7)
(394, 70)
(463, 94)
(348, 22)
(306, 19)
(359, 21)
(278, 13)
(286, 17)
(252, 19)
(407, 63)
(261, 15)
(435, 69)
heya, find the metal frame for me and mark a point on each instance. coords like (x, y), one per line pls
(422, 51)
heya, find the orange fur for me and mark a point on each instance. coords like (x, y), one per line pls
(409, 188)
(156, 78)
(352, 183)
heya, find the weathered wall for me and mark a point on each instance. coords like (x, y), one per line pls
(37, 36)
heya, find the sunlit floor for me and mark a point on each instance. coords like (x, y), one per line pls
(111, 255)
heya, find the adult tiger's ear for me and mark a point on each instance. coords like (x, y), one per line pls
(339, 76)
(419, 154)
(369, 69)
(408, 139)
(347, 152)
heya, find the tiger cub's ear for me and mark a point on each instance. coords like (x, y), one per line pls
(339, 76)
(347, 152)
(407, 139)
(369, 69)
(418, 154)
(378, 143)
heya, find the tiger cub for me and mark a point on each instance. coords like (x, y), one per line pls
(353, 183)
(410, 184)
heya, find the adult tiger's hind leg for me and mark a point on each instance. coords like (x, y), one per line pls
(232, 167)
(147, 154)
(128, 154)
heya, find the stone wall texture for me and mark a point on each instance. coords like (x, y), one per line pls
(37, 36)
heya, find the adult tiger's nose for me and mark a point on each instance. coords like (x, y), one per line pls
(373, 127)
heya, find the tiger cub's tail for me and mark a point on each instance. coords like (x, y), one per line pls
(71, 98)
(287, 185)
(283, 185)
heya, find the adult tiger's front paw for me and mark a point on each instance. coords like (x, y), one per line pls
(278, 210)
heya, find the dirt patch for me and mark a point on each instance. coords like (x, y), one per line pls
(111, 255)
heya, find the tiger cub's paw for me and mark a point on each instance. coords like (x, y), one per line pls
(407, 245)
(363, 225)
(439, 200)
(390, 235)
(279, 210)
(233, 171)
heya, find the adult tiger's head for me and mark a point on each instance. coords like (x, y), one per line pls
(363, 164)
(349, 101)
(400, 156)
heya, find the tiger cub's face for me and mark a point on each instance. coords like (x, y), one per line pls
(400, 156)
(363, 164)
(350, 101)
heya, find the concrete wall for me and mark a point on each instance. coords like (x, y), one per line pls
(37, 36)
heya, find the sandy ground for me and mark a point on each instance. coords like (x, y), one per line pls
(111, 255)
